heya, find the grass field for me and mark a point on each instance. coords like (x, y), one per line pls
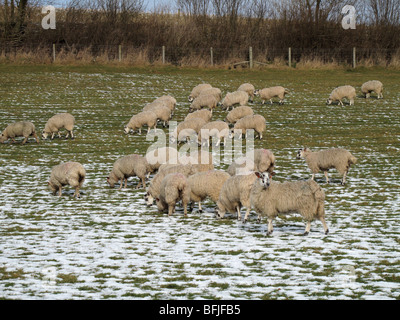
(109, 245)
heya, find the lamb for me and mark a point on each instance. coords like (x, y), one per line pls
(215, 92)
(236, 97)
(218, 129)
(19, 129)
(370, 86)
(129, 166)
(342, 92)
(249, 88)
(187, 128)
(204, 114)
(261, 160)
(237, 113)
(269, 199)
(206, 184)
(204, 101)
(162, 112)
(256, 122)
(234, 194)
(174, 187)
(337, 158)
(69, 173)
(57, 122)
(148, 118)
(269, 93)
(168, 101)
(198, 89)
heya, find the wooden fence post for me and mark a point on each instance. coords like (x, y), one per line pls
(251, 57)
(212, 56)
(354, 57)
(54, 52)
(290, 57)
(120, 53)
(163, 54)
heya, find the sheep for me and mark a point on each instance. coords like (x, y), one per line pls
(198, 89)
(204, 114)
(256, 122)
(236, 97)
(129, 166)
(218, 129)
(206, 184)
(203, 101)
(234, 194)
(69, 173)
(215, 92)
(19, 129)
(270, 198)
(174, 187)
(373, 85)
(262, 160)
(137, 121)
(155, 158)
(269, 93)
(57, 122)
(168, 101)
(337, 158)
(187, 128)
(342, 92)
(162, 112)
(237, 113)
(249, 88)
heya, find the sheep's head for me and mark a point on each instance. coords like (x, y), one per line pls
(190, 99)
(265, 178)
(256, 92)
(301, 153)
(52, 187)
(219, 211)
(127, 129)
(45, 134)
(111, 181)
(149, 199)
(329, 101)
(3, 138)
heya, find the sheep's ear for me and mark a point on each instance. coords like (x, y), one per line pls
(258, 174)
(272, 174)
(157, 199)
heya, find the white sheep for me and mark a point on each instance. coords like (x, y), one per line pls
(198, 89)
(236, 97)
(215, 92)
(69, 173)
(204, 114)
(271, 92)
(162, 112)
(262, 160)
(237, 113)
(157, 157)
(174, 187)
(187, 128)
(249, 88)
(372, 86)
(57, 122)
(214, 129)
(339, 93)
(168, 101)
(137, 121)
(19, 129)
(129, 166)
(323, 160)
(206, 184)
(235, 194)
(270, 198)
(256, 122)
(204, 101)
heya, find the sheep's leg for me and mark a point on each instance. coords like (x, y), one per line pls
(313, 176)
(36, 137)
(270, 100)
(122, 182)
(344, 178)
(308, 227)
(13, 140)
(25, 140)
(238, 213)
(126, 182)
(59, 191)
(326, 176)
(184, 204)
(77, 194)
(270, 227)
(322, 219)
(259, 218)
(59, 134)
(170, 210)
(72, 134)
(200, 209)
(246, 215)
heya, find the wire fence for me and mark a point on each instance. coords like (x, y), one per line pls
(181, 56)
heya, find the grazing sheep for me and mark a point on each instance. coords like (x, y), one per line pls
(204, 114)
(198, 89)
(69, 173)
(269, 93)
(234, 194)
(148, 118)
(236, 97)
(270, 198)
(19, 129)
(187, 128)
(162, 112)
(168, 101)
(249, 88)
(342, 92)
(337, 158)
(215, 92)
(218, 129)
(237, 113)
(206, 184)
(57, 122)
(262, 160)
(174, 187)
(129, 166)
(372, 86)
(203, 101)
(256, 122)
(157, 157)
